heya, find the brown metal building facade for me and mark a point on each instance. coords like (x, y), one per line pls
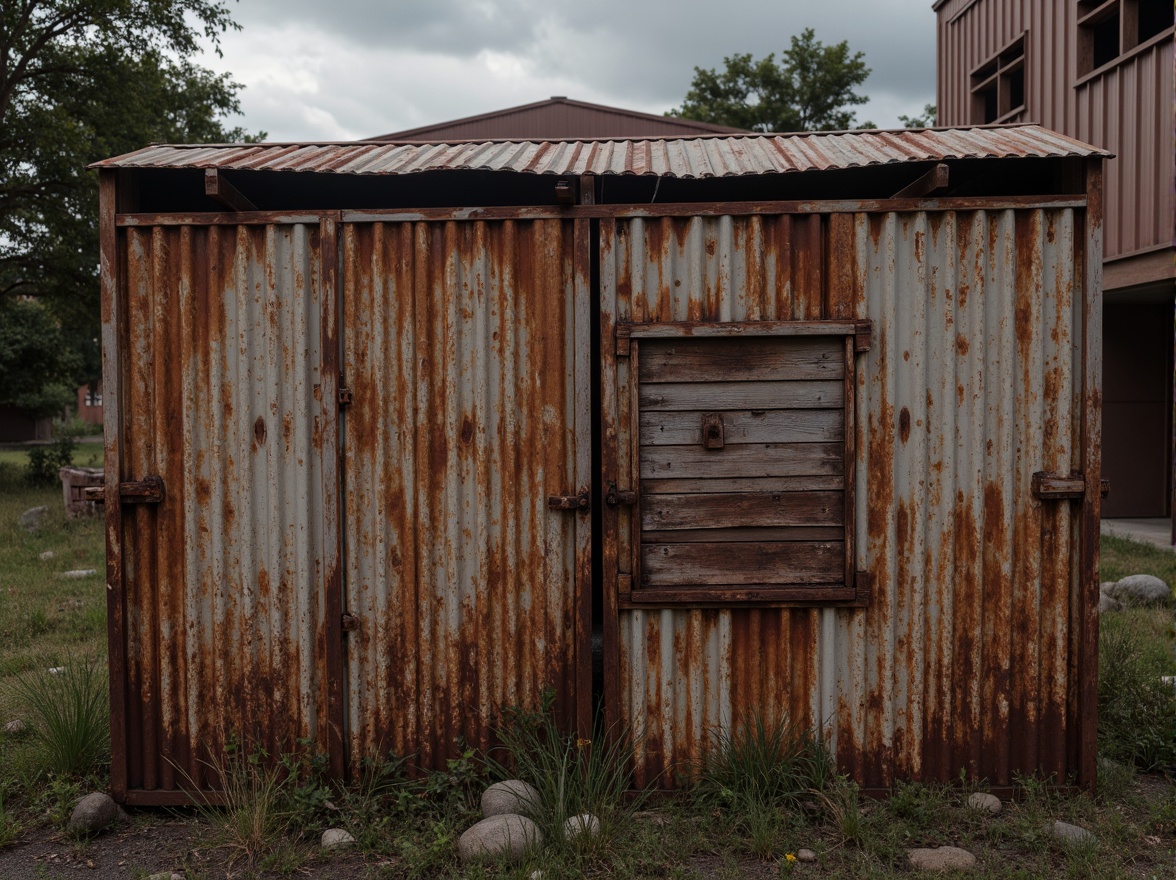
(557, 118)
(798, 424)
(1101, 72)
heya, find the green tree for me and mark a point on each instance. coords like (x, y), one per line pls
(81, 80)
(37, 368)
(926, 119)
(810, 89)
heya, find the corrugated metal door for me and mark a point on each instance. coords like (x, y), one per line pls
(967, 653)
(466, 350)
(226, 399)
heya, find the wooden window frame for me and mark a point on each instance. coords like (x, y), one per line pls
(997, 75)
(854, 590)
(1091, 14)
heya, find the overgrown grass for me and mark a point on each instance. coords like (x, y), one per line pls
(68, 715)
(1119, 557)
(255, 814)
(574, 776)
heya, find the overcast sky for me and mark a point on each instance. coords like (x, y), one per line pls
(348, 69)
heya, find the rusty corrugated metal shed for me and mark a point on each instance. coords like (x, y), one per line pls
(400, 495)
(556, 118)
(701, 157)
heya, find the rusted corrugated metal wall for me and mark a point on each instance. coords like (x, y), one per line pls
(1125, 109)
(966, 654)
(222, 391)
(466, 347)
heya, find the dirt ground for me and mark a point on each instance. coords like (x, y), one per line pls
(153, 843)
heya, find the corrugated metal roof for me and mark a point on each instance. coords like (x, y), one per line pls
(696, 157)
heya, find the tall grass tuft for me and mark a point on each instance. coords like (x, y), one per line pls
(761, 765)
(69, 715)
(1136, 708)
(255, 811)
(572, 775)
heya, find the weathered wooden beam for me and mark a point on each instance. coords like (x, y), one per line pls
(218, 187)
(933, 181)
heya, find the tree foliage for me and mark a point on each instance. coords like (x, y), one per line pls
(36, 366)
(926, 119)
(810, 89)
(81, 80)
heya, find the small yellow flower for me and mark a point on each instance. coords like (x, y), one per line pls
(580, 743)
(789, 857)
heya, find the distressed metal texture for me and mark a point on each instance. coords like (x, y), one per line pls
(466, 347)
(1124, 108)
(698, 157)
(222, 395)
(966, 654)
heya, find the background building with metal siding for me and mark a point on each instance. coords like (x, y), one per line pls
(1122, 103)
(435, 367)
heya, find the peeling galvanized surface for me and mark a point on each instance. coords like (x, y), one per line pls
(466, 347)
(964, 656)
(699, 157)
(222, 395)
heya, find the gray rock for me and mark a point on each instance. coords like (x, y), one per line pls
(1072, 833)
(33, 518)
(166, 875)
(15, 727)
(46, 556)
(79, 573)
(93, 813)
(1141, 589)
(806, 855)
(510, 797)
(583, 824)
(1104, 589)
(505, 835)
(982, 800)
(1107, 603)
(337, 838)
(944, 858)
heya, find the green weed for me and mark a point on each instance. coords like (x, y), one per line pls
(1136, 709)
(69, 715)
(761, 765)
(572, 775)
(254, 812)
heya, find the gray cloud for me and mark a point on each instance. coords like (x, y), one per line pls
(353, 68)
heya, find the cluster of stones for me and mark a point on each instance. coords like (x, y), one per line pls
(507, 831)
(1133, 590)
(952, 858)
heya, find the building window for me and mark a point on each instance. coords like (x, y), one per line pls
(1108, 29)
(93, 395)
(998, 85)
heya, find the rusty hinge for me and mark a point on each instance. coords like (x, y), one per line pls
(350, 622)
(148, 490)
(580, 501)
(863, 583)
(345, 395)
(1059, 487)
(617, 496)
(863, 335)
